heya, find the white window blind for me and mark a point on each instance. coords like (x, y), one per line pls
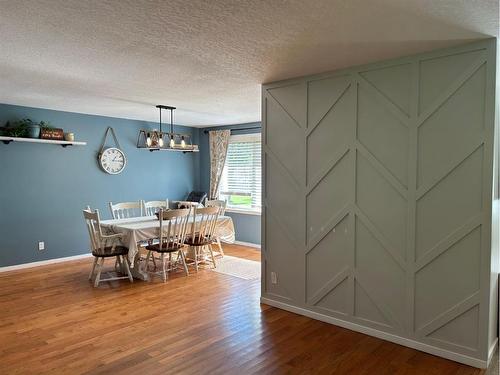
(241, 179)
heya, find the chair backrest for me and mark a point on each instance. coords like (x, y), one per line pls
(151, 207)
(94, 228)
(196, 196)
(205, 221)
(188, 204)
(217, 203)
(173, 226)
(125, 209)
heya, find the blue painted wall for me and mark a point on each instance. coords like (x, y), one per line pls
(43, 188)
(247, 227)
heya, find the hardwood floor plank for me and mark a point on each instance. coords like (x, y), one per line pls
(52, 321)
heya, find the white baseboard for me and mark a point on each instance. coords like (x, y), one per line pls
(43, 262)
(492, 350)
(81, 256)
(379, 334)
(249, 244)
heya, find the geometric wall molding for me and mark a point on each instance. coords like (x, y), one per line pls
(378, 198)
(394, 82)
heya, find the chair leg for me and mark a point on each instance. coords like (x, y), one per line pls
(91, 274)
(183, 258)
(176, 263)
(117, 264)
(164, 261)
(154, 260)
(125, 263)
(220, 247)
(99, 269)
(152, 256)
(196, 250)
(119, 260)
(146, 267)
(212, 254)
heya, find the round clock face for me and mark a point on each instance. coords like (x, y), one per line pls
(113, 160)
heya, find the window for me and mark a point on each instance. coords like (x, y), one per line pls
(241, 179)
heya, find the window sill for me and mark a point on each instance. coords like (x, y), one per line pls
(243, 212)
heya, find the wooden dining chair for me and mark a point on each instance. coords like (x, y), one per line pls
(152, 207)
(222, 210)
(202, 233)
(222, 204)
(196, 196)
(105, 246)
(173, 230)
(187, 204)
(125, 209)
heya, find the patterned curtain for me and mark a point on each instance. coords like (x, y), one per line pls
(219, 142)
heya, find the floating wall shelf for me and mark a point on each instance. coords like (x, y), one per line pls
(7, 140)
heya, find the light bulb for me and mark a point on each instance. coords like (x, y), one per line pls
(183, 143)
(148, 140)
(160, 141)
(172, 142)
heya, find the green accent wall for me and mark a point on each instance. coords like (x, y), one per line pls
(378, 199)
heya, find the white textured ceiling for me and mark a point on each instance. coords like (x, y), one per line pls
(121, 57)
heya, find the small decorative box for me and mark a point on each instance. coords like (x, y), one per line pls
(52, 133)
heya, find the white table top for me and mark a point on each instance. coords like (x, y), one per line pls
(144, 222)
(144, 228)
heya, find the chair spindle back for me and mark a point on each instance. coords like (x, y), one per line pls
(125, 210)
(99, 241)
(205, 222)
(217, 203)
(173, 227)
(152, 207)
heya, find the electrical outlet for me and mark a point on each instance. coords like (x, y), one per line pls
(41, 246)
(274, 278)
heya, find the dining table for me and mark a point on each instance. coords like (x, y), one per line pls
(142, 229)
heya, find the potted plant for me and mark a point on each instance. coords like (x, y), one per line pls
(16, 129)
(45, 125)
(26, 128)
(32, 128)
(22, 128)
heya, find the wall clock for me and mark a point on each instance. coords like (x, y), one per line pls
(112, 160)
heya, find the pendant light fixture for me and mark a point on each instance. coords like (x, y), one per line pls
(154, 140)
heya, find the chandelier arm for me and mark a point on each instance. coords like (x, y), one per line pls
(160, 120)
(171, 121)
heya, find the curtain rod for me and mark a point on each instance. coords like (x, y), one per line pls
(238, 129)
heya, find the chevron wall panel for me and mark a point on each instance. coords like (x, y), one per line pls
(378, 195)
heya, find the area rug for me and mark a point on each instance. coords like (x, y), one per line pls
(238, 267)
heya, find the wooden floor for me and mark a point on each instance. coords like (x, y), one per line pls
(53, 321)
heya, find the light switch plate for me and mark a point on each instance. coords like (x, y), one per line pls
(274, 278)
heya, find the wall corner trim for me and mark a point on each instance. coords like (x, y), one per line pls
(492, 350)
(381, 335)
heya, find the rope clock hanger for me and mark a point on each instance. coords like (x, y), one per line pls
(112, 160)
